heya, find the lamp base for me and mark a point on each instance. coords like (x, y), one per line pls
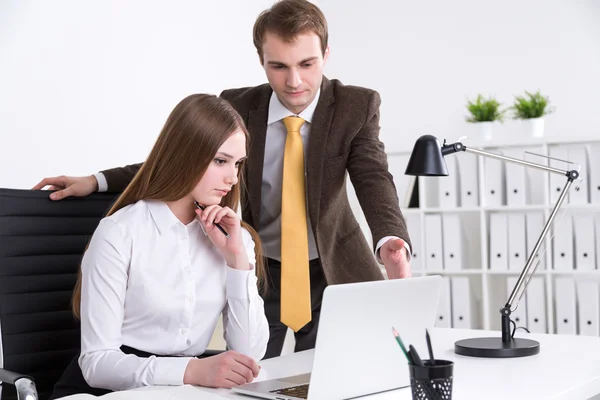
(494, 347)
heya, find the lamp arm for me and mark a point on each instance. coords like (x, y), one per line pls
(518, 161)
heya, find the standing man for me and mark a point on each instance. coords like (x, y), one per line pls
(306, 132)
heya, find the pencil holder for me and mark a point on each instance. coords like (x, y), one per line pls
(432, 381)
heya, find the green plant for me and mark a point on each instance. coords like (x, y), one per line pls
(531, 106)
(483, 110)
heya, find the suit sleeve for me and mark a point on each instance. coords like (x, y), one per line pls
(374, 186)
(119, 178)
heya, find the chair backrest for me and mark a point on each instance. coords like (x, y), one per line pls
(41, 244)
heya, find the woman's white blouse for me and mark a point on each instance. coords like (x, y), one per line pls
(152, 283)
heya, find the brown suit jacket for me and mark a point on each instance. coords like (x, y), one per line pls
(344, 136)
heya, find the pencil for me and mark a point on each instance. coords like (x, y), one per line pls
(397, 336)
(219, 227)
(429, 348)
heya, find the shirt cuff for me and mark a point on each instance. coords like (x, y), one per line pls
(238, 282)
(384, 241)
(170, 370)
(102, 183)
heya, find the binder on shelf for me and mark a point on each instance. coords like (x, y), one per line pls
(563, 243)
(536, 181)
(444, 313)
(494, 193)
(519, 316)
(557, 182)
(452, 242)
(534, 225)
(585, 246)
(517, 249)
(461, 302)
(515, 179)
(468, 180)
(536, 305)
(498, 235)
(413, 222)
(587, 302)
(579, 192)
(448, 185)
(594, 173)
(434, 257)
(566, 306)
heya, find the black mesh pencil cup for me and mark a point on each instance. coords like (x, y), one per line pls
(431, 382)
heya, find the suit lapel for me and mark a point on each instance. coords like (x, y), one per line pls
(319, 132)
(257, 126)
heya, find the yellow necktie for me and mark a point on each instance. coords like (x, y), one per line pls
(295, 277)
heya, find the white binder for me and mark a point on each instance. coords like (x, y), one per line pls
(515, 178)
(566, 310)
(434, 256)
(585, 246)
(498, 242)
(536, 305)
(563, 243)
(579, 191)
(519, 316)
(594, 177)
(587, 301)
(448, 185)
(494, 182)
(461, 302)
(468, 179)
(452, 242)
(444, 314)
(557, 182)
(517, 251)
(413, 222)
(535, 225)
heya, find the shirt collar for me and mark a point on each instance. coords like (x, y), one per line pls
(277, 110)
(162, 215)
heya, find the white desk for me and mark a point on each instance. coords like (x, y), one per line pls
(567, 367)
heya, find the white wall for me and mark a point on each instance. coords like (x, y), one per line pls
(427, 57)
(87, 85)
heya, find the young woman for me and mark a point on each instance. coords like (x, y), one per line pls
(159, 272)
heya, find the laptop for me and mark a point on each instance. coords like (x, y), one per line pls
(356, 353)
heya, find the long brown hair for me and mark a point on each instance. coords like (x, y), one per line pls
(289, 18)
(187, 144)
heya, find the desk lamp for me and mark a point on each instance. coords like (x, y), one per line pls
(427, 159)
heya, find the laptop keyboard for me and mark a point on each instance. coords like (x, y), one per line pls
(300, 391)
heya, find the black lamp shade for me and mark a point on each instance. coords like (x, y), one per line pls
(426, 158)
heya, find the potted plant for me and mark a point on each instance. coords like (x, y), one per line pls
(531, 108)
(484, 112)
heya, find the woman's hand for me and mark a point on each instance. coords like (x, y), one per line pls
(233, 248)
(224, 370)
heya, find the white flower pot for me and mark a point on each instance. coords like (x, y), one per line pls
(535, 127)
(484, 130)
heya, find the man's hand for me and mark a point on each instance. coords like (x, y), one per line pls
(224, 370)
(78, 186)
(394, 257)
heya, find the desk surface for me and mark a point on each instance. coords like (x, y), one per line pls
(567, 367)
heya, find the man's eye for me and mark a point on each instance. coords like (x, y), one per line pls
(278, 66)
(307, 65)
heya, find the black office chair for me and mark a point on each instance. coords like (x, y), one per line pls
(41, 244)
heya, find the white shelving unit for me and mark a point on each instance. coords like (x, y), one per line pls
(519, 191)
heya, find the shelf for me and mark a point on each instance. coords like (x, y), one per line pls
(458, 272)
(526, 207)
(512, 272)
(439, 210)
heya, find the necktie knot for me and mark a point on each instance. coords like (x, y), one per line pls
(293, 123)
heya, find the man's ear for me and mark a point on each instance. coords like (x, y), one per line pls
(326, 54)
(260, 59)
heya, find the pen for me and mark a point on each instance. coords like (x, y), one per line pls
(429, 348)
(415, 356)
(219, 227)
(397, 336)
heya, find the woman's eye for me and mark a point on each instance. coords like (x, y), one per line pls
(220, 161)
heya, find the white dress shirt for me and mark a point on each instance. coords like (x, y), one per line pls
(272, 180)
(152, 283)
